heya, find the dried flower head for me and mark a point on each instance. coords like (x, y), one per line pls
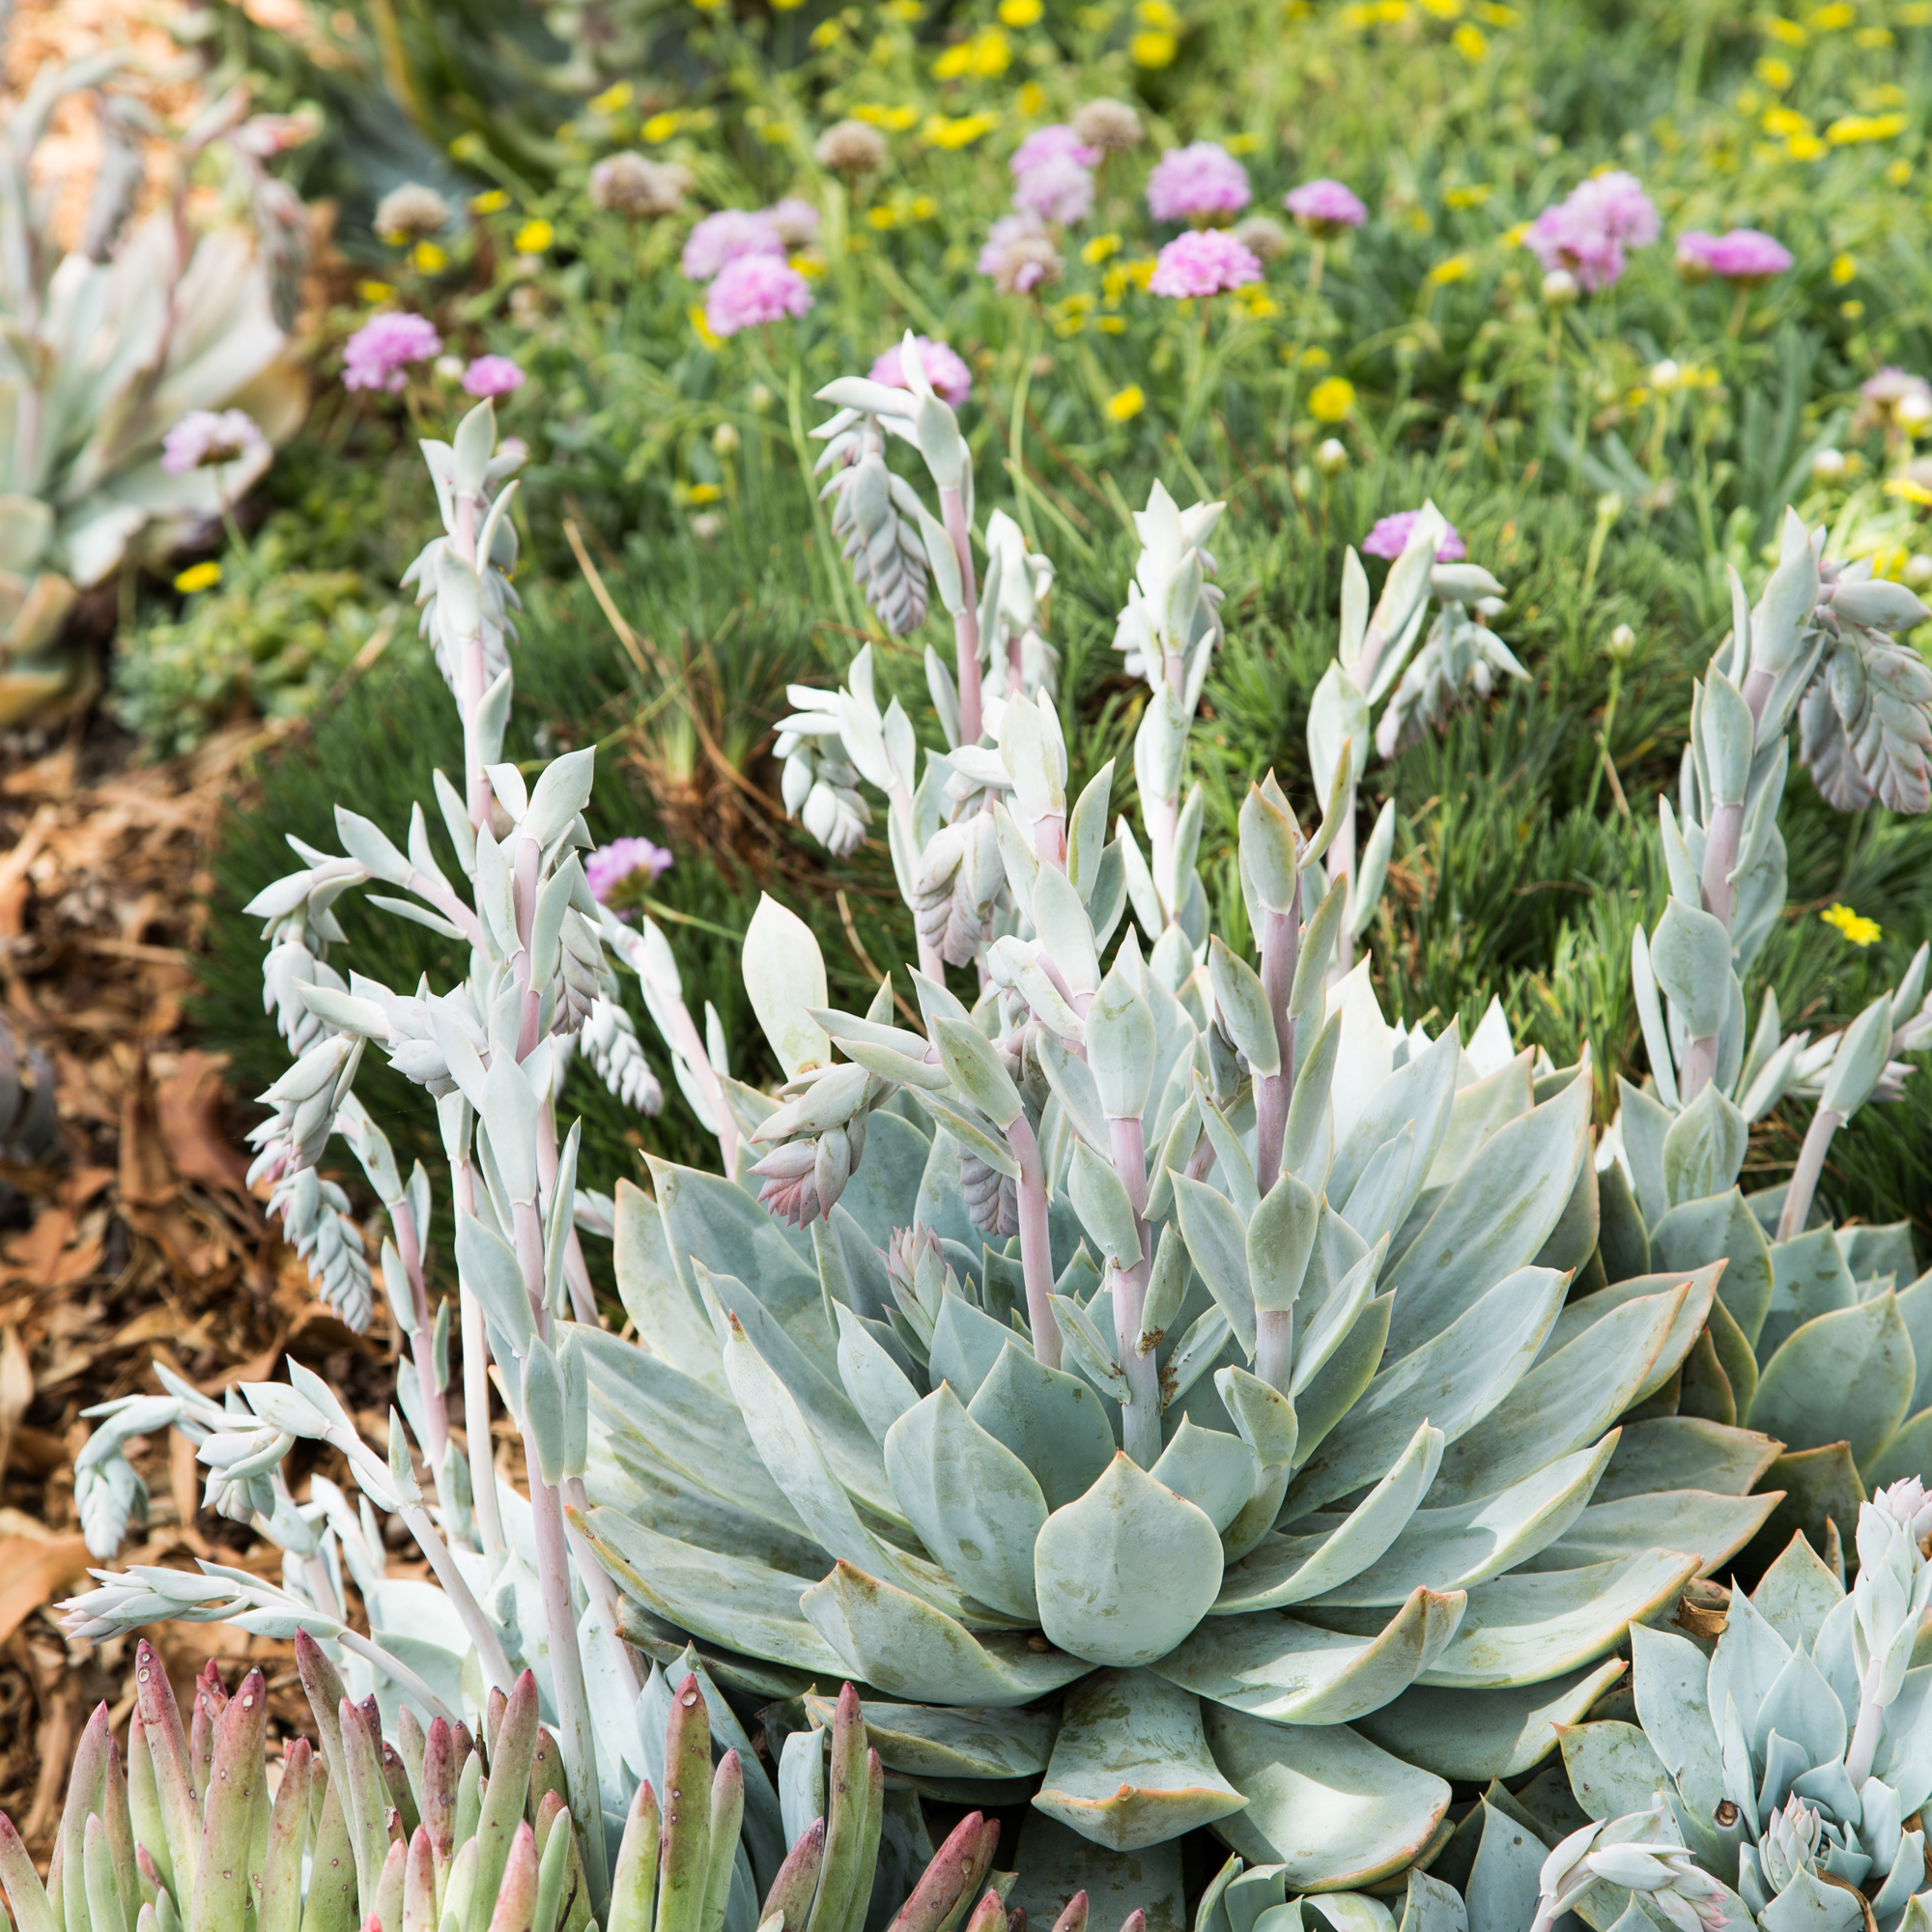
(205, 439)
(410, 213)
(852, 149)
(1325, 208)
(751, 290)
(1204, 262)
(1018, 255)
(630, 183)
(1263, 237)
(376, 356)
(1200, 179)
(944, 369)
(1108, 126)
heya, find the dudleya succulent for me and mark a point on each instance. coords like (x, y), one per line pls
(1183, 1353)
(1797, 1758)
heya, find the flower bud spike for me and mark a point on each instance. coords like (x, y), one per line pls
(516, 1901)
(419, 1913)
(389, 1886)
(792, 1890)
(502, 1808)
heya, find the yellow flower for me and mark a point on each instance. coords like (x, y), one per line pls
(1256, 301)
(1241, 143)
(206, 575)
(1115, 281)
(467, 147)
(1898, 172)
(992, 54)
(1093, 19)
(1357, 19)
(1513, 237)
(1829, 20)
(1020, 12)
(1330, 401)
(1493, 16)
(1469, 43)
(1804, 147)
(703, 329)
(1904, 488)
(661, 126)
(1787, 31)
(882, 217)
(1157, 14)
(1123, 405)
(894, 120)
(962, 132)
(1152, 50)
(1453, 269)
(921, 208)
(1917, 13)
(1855, 927)
(1472, 196)
(1109, 324)
(1875, 37)
(1315, 357)
(613, 99)
(374, 292)
(827, 33)
(1851, 310)
(1032, 98)
(910, 12)
(1874, 99)
(429, 258)
(1099, 248)
(1775, 72)
(702, 493)
(1843, 268)
(1782, 122)
(1141, 272)
(809, 263)
(952, 64)
(534, 237)
(491, 201)
(1443, 10)
(1853, 128)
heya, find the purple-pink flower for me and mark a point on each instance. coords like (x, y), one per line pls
(376, 356)
(1059, 188)
(203, 440)
(1743, 255)
(1051, 144)
(1586, 233)
(794, 220)
(729, 235)
(1200, 179)
(492, 376)
(623, 859)
(1204, 262)
(1019, 254)
(1390, 538)
(948, 374)
(1325, 206)
(754, 288)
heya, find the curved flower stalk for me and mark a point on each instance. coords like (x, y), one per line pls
(1376, 656)
(1793, 1760)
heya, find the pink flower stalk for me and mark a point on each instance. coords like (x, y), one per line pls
(1052, 144)
(1200, 179)
(376, 356)
(1586, 234)
(1204, 262)
(1743, 255)
(726, 237)
(948, 374)
(1060, 189)
(794, 219)
(204, 439)
(754, 288)
(492, 376)
(621, 862)
(1390, 538)
(1325, 208)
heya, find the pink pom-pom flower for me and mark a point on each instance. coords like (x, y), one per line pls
(1742, 255)
(1051, 144)
(948, 375)
(205, 439)
(492, 376)
(728, 237)
(1200, 179)
(1390, 538)
(1204, 262)
(751, 290)
(376, 356)
(624, 861)
(1060, 189)
(1325, 206)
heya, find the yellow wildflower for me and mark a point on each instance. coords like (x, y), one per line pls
(808, 261)
(1256, 301)
(894, 120)
(206, 575)
(1780, 122)
(1152, 50)
(882, 217)
(1443, 10)
(945, 132)
(1099, 248)
(491, 201)
(613, 99)
(1787, 31)
(429, 258)
(702, 493)
(921, 208)
(1315, 357)
(1849, 128)
(954, 63)
(1141, 272)
(467, 147)
(827, 33)
(1898, 172)
(1851, 310)
(1875, 99)
(992, 54)
(1033, 99)
(1453, 269)
(910, 12)
(1917, 13)
(1157, 14)
(1469, 42)
(1020, 12)
(1331, 399)
(1472, 196)
(1875, 38)
(1109, 324)
(1905, 489)
(1775, 72)
(1804, 147)
(1125, 404)
(661, 127)
(1855, 927)
(1241, 143)
(1493, 16)
(534, 237)
(1830, 19)
(373, 292)
(1844, 268)
(1513, 235)
(703, 329)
